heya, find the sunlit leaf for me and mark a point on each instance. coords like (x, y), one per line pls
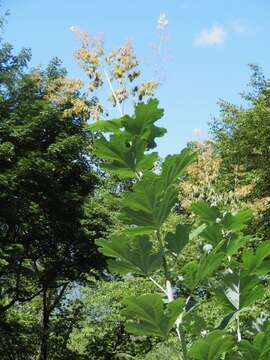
(147, 315)
(175, 242)
(256, 263)
(198, 271)
(175, 166)
(239, 290)
(212, 346)
(238, 221)
(149, 204)
(205, 212)
(130, 255)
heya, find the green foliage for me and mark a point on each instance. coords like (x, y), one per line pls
(240, 290)
(100, 332)
(176, 242)
(259, 349)
(134, 255)
(132, 136)
(256, 263)
(48, 180)
(55, 204)
(147, 316)
(198, 272)
(241, 139)
(146, 247)
(212, 346)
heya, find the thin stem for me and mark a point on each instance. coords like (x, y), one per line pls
(169, 292)
(113, 92)
(159, 286)
(181, 335)
(239, 336)
(164, 261)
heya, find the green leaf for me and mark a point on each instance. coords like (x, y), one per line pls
(196, 272)
(248, 350)
(205, 212)
(125, 150)
(125, 159)
(238, 221)
(259, 349)
(112, 126)
(212, 234)
(194, 323)
(235, 242)
(148, 315)
(197, 231)
(130, 255)
(175, 242)
(175, 166)
(256, 263)
(239, 290)
(141, 125)
(149, 204)
(212, 346)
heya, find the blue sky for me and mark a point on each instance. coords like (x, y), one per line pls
(210, 43)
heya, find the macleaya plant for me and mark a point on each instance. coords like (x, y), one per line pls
(119, 68)
(146, 249)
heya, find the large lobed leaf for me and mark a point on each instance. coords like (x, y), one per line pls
(147, 315)
(142, 123)
(196, 272)
(211, 214)
(123, 158)
(257, 263)
(259, 349)
(152, 199)
(175, 166)
(149, 204)
(130, 255)
(125, 151)
(239, 290)
(212, 346)
(176, 241)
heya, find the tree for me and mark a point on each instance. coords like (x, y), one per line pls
(47, 177)
(241, 139)
(207, 181)
(100, 332)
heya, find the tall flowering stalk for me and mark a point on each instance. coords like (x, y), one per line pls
(119, 68)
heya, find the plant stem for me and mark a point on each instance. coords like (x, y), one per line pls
(239, 336)
(169, 292)
(164, 261)
(157, 284)
(113, 92)
(181, 335)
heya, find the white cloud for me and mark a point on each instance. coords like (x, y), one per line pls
(216, 35)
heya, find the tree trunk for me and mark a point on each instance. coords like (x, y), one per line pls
(44, 326)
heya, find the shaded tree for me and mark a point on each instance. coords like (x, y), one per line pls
(47, 177)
